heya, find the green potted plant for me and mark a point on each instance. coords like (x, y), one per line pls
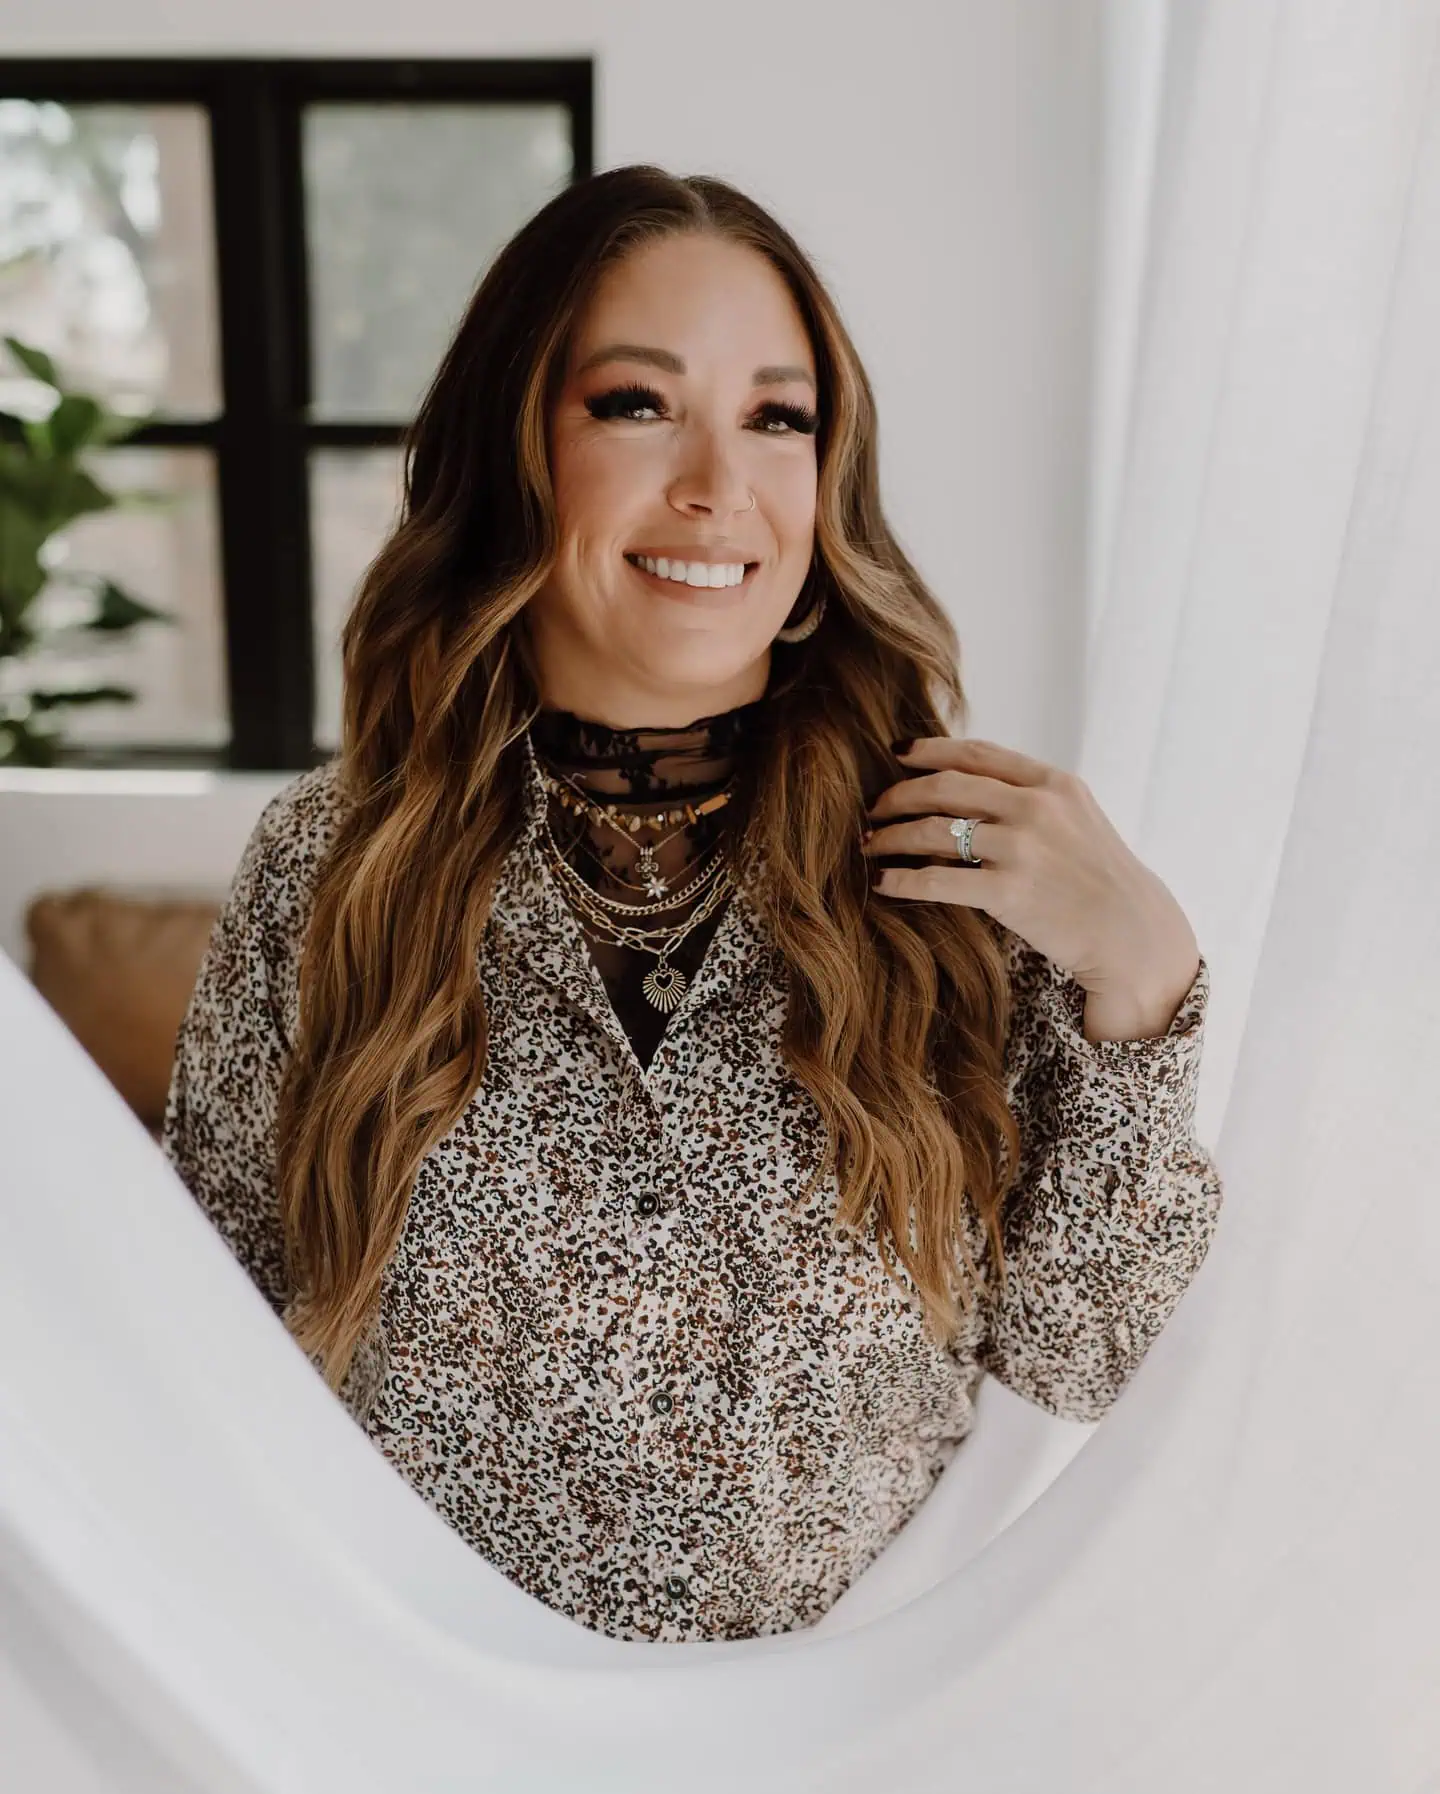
(44, 488)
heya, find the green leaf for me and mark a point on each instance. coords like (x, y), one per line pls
(34, 361)
(21, 536)
(118, 610)
(36, 432)
(53, 492)
(74, 493)
(74, 423)
(23, 479)
(84, 694)
(17, 465)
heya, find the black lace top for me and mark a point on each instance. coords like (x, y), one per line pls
(649, 770)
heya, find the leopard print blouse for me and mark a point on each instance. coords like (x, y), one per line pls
(616, 1351)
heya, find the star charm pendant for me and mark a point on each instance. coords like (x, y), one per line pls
(649, 869)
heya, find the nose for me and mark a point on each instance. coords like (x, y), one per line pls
(712, 480)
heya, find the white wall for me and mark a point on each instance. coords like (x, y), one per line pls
(938, 160)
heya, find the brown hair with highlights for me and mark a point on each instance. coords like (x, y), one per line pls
(898, 1008)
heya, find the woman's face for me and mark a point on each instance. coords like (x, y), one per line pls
(709, 330)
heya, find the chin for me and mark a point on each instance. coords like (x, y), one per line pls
(702, 669)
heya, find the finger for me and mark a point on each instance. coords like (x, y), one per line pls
(931, 835)
(973, 886)
(975, 753)
(950, 792)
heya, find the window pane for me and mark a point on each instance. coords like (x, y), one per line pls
(405, 207)
(166, 555)
(107, 251)
(354, 502)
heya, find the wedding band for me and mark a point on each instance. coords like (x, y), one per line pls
(963, 827)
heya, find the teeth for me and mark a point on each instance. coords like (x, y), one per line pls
(691, 573)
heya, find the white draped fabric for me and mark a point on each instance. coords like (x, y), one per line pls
(209, 1580)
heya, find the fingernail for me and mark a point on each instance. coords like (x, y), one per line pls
(902, 747)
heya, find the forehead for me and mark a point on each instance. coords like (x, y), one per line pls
(699, 295)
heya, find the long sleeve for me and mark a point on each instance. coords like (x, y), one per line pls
(1115, 1201)
(234, 1045)
(231, 1052)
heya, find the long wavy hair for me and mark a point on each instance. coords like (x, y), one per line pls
(898, 1010)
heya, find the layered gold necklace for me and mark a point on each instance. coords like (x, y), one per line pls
(664, 985)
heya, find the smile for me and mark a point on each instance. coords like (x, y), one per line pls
(683, 579)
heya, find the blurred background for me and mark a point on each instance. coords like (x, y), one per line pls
(271, 274)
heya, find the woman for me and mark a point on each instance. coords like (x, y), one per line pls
(653, 1189)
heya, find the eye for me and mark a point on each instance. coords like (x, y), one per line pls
(799, 420)
(620, 401)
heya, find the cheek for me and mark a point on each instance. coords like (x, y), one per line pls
(793, 497)
(797, 540)
(593, 485)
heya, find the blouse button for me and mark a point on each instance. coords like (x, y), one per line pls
(662, 1403)
(646, 1204)
(677, 1588)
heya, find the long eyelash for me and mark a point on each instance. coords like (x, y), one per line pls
(800, 418)
(623, 398)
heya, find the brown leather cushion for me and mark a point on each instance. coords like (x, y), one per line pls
(119, 968)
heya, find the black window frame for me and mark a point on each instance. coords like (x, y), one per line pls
(262, 438)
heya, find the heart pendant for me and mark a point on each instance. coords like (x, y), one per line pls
(664, 987)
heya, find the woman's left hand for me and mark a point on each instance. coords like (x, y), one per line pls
(1054, 870)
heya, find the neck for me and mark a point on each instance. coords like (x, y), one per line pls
(622, 706)
(645, 762)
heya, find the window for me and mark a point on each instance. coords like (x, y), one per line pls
(269, 257)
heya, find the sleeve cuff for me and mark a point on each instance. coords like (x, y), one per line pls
(1150, 1083)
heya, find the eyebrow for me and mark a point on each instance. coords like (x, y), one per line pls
(673, 364)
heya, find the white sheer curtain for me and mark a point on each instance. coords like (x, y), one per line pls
(203, 1563)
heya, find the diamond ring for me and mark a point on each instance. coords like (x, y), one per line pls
(963, 827)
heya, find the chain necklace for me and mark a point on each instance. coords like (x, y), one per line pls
(652, 888)
(664, 985)
(597, 859)
(628, 822)
(572, 877)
